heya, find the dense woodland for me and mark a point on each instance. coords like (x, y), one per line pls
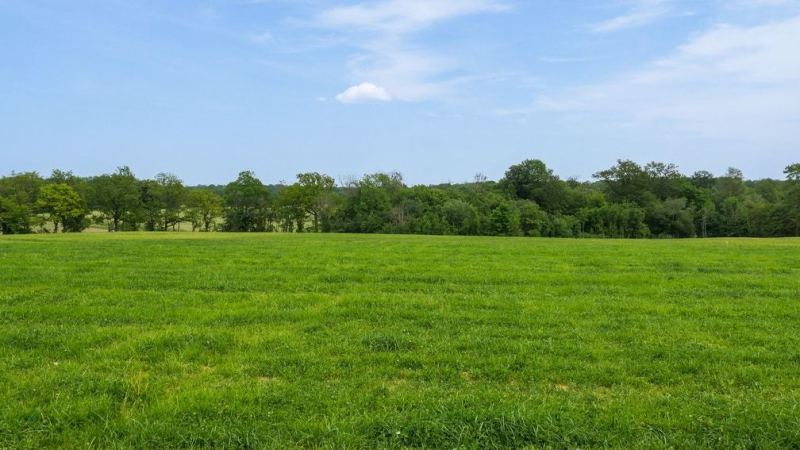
(627, 200)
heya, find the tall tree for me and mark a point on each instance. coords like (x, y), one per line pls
(793, 172)
(172, 198)
(666, 181)
(205, 207)
(151, 205)
(703, 179)
(117, 196)
(247, 203)
(290, 208)
(532, 180)
(626, 182)
(18, 195)
(368, 203)
(730, 185)
(314, 191)
(77, 183)
(64, 207)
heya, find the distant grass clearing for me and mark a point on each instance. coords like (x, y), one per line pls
(278, 340)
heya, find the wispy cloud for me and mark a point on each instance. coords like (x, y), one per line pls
(642, 13)
(382, 32)
(403, 16)
(727, 82)
(762, 3)
(564, 59)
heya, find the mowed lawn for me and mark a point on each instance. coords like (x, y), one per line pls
(358, 341)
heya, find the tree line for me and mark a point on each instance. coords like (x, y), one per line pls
(627, 200)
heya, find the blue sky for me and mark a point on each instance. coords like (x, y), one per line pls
(439, 90)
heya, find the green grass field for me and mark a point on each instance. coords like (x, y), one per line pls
(282, 341)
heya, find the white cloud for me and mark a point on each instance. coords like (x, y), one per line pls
(364, 92)
(643, 13)
(402, 16)
(382, 30)
(729, 82)
(759, 54)
(411, 75)
(762, 3)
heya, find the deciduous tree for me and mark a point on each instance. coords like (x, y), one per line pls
(314, 195)
(117, 196)
(64, 207)
(205, 206)
(246, 203)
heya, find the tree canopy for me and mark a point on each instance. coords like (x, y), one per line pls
(627, 200)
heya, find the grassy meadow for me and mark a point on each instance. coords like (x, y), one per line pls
(364, 341)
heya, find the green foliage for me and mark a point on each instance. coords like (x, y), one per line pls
(627, 182)
(532, 220)
(64, 207)
(80, 185)
(628, 200)
(532, 180)
(672, 218)
(21, 188)
(290, 208)
(419, 210)
(18, 195)
(367, 205)
(117, 196)
(151, 207)
(703, 179)
(791, 204)
(614, 220)
(460, 217)
(315, 197)
(505, 220)
(205, 206)
(172, 198)
(211, 340)
(731, 185)
(665, 181)
(246, 204)
(562, 226)
(15, 218)
(793, 172)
